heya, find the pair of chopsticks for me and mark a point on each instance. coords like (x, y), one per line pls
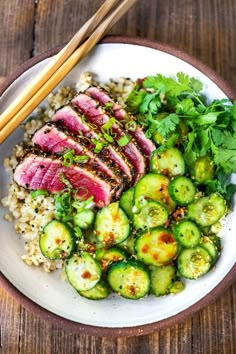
(79, 46)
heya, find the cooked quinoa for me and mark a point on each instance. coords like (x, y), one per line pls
(31, 215)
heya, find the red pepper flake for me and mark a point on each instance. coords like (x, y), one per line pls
(109, 238)
(86, 275)
(145, 248)
(58, 241)
(155, 256)
(132, 290)
(166, 238)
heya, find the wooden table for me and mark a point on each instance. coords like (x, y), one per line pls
(203, 28)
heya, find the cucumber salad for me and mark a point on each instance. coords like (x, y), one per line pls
(164, 228)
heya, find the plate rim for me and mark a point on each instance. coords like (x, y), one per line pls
(180, 317)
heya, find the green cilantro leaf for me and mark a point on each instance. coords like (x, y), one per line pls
(186, 107)
(226, 158)
(168, 124)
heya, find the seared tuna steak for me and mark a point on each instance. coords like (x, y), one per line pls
(51, 139)
(37, 172)
(145, 144)
(95, 114)
(72, 121)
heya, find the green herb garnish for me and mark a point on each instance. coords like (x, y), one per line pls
(174, 107)
(69, 158)
(38, 192)
(124, 140)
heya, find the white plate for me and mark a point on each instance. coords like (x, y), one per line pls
(56, 295)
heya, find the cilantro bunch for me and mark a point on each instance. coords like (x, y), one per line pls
(164, 105)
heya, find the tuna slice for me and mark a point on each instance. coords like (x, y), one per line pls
(72, 121)
(49, 172)
(145, 144)
(51, 139)
(95, 115)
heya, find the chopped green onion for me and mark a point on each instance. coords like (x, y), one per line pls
(124, 140)
(83, 204)
(68, 158)
(38, 192)
(108, 137)
(65, 181)
(108, 125)
(81, 159)
(108, 106)
(131, 125)
(98, 147)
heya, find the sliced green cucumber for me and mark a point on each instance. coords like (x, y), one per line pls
(212, 244)
(194, 262)
(177, 287)
(126, 201)
(153, 187)
(83, 271)
(187, 233)
(161, 279)
(84, 218)
(152, 214)
(57, 240)
(129, 279)
(99, 292)
(203, 170)
(111, 225)
(168, 161)
(156, 246)
(182, 190)
(107, 256)
(207, 210)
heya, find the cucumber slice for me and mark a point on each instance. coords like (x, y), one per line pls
(212, 244)
(99, 292)
(187, 233)
(57, 240)
(161, 279)
(177, 287)
(111, 225)
(126, 202)
(129, 279)
(203, 170)
(168, 161)
(182, 190)
(153, 187)
(207, 210)
(105, 257)
(156, 246)
(83, 271)
(152, 214)
(194, 262)
(84, 219)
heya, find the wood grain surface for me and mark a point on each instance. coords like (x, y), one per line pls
(203, 28)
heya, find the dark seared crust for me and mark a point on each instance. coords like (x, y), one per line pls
(104, 151)
(96, 114)
(144, 144)
(95, 162)
(38, 153)
(104, 155)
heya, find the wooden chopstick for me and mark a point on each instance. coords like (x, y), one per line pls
(56, 62)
